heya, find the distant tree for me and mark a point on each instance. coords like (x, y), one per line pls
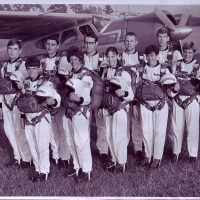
(36, 8)
(108, 10)
(77, 8)
(99, 10)
(60, 8)
(6, 7)
(90, 10)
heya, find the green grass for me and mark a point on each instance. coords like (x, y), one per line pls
(182, 179)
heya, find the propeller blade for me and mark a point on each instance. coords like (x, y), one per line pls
(163, 18)
(184, 19)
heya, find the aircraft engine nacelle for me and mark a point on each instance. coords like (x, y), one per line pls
(180, 33)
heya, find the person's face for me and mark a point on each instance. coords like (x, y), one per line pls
(90, 44)
(130, 42)
(163, 39)
(152, 59)
(76, 63)
(51, 46)
(13, 51)
(112, 59)
(33, 72)
(188, 55)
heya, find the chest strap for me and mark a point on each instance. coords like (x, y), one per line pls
(184, 104)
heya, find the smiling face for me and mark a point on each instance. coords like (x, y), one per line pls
(51, 47)
(130, 43)
(188, 55)
(76, 63)
(13, 51)
(152, 59)
(112, 59)
(33, 72)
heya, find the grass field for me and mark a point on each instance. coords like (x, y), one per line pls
(181, 179)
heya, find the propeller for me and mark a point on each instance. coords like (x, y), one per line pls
(177, 32)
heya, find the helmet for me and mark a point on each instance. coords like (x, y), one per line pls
(119, 82)
(198, 75)
(64, 67)
(168, 79)
(77, 85)
(45, 91)
(16, 76)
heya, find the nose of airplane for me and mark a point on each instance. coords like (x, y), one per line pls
(181, 32)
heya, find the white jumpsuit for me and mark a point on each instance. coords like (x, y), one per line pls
(134, 123)
(116, 124)
(154, 123)
(190, 116)
(77, 129)
(12, 118)
(92, 63)
(59, 145)
(38, 135)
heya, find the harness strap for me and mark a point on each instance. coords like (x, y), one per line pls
(158, 106)
(184, 104)
(37, 119)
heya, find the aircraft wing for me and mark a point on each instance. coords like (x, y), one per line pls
(26, 25)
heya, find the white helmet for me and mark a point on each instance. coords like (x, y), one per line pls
(198, 75)
(64, 67)
(118, 80)
(45, 91)
(77, 85)
(16, 76)
(168, 79)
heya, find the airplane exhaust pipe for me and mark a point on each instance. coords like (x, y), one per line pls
(180, 33)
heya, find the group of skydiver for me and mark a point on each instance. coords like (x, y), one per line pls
(55, 100)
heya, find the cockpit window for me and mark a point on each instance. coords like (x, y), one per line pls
(69, 36)
(86, 29)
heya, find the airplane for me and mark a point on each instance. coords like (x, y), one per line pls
(33, 28)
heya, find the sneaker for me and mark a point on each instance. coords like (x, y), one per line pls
(34, 176)
(13, 162)
(192, 160)
(139, 156)
(70, 172)
(145, 162)
(25, 165)
(155, 163)
(43, 177)
(104, 158)
(120, 168)
(54, 161)
(83, 176)
(63, 164)
(109, 164)
(174, 158)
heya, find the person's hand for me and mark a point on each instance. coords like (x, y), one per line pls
(50, 101)
(120, 93)
(177, 87)
(19, 85)
(74, 97)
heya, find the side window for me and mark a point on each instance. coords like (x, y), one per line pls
(69, 36)
(41, 43)
(86, 29)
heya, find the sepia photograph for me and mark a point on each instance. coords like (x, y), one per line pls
(99, 99)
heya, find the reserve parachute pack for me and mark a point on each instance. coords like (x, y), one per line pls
(28, 103)
(97, 89)
(7, 86)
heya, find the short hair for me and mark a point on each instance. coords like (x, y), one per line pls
(130, 34)
(75, 51)
(13, 41)
(163, 30)
(112, 49)
(151, 49)
(53, 37)
(32, 62)
(92, 35)
(189, 45)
